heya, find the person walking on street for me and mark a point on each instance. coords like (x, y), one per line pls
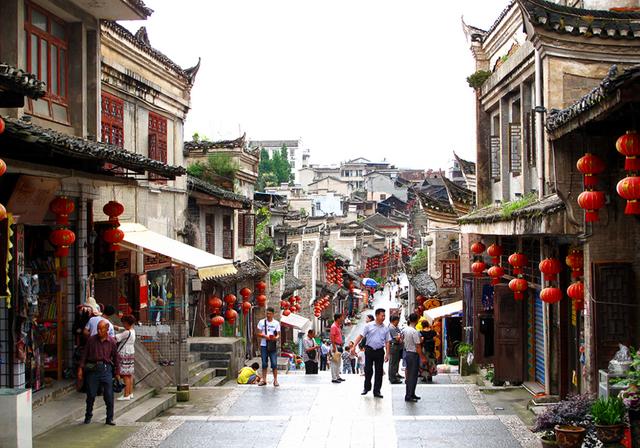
(361, 360)
(324, 352)
(269, 333)
(378, 339)
(126, 341)
(310, 354)
(414, 354)
(396, 350)
(335, 335)
(99, 362)
(346, 360)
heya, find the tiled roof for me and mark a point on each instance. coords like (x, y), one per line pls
(18, 81)
(435, 204)
(459, 194)
(141, 40)
(379, 221)
(610, 84)
(245, 270)
(273, 143)
(215, 191)
(466, 166)
(424, 284)
(205, 145)
(54, 142)
(141, 7)
(494, 213)
(579, 21)
(291, 284)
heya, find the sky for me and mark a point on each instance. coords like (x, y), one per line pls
(371, 78)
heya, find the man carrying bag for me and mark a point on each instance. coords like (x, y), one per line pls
(269, 333)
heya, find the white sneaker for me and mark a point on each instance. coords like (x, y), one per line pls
(131, 397)
(123, 398)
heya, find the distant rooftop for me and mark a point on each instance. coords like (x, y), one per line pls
(273, 143)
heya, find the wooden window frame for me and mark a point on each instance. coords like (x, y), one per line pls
(210, 236)
(60, 98)
(157, 129)
(228, 249)
(514, 132)
(112, 119)
(530, 137)
(248, 228)
(494, 157)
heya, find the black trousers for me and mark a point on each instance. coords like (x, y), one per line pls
(373, 358)
(101, 377)
(311, 367)
(323, 362)
(411, 374)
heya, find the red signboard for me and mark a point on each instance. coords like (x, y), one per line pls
(450, 273)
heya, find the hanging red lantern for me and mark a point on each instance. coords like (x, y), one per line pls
(245, 293)
(591, 202)
(629, 189)
(518, 261)
(286, 313)
(231, 315)
(575, 260)
(214, 303)
(478, 268)
(576, 292)
(2, 125)
(230, 299)
(550, 267)
(113, 209)
(284, 305)
(495, 251)
(62, 207)
(113, 236)
(217, 321)
(629, 146)
(3, 213)
(496, 273)
(420, 310)
(551, 295)
(261, 300)
(477, 248)
(261, 287)
(62, 239)
(246, 307)
(518, 286)
(590, 166)
(317, 315)
(3, 167)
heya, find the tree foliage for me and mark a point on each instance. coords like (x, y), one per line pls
(264, 242)
(218, 167)
(274, 170)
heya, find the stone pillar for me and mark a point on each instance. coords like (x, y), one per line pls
(78, 78)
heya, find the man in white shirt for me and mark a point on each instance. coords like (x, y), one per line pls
(324, 352)
(413, 349)
(269, 333)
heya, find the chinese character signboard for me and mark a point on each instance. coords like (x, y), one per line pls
(450, 273)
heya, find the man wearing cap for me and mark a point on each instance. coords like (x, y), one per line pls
(91, 329)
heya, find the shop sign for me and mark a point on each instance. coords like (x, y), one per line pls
(450, 273)
(144, 291)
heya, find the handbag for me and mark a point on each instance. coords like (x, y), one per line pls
(271, 344)
(312, 354)
(118, 386)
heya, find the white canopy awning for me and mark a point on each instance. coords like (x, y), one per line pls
(442, 311)
(207, 265)
(296, 321)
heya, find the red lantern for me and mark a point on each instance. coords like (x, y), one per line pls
(286, 312)
(214, 303)
(629, 189)
(231, 315)
(3, 213)
(495, 252)
(478, 268)
(576, 292)
(261, 300)
(420, 310)
(317, 315)
(113, 236)
(590, 165)
(230, 299)
(62, 239)
(575, 260)
(261, 286)
(245, 293)
(591, 202)
(551, 295)
(62, 207)
(217, 321)
(629, 146)
(3, 167)
(246, 307)
(518, 286)
(113, 209)
(518, 261)
(550, 267)
(495, 272)
(2, 126)
(477, 248)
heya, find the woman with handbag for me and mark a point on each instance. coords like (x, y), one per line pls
(126, 354)
(310, 354)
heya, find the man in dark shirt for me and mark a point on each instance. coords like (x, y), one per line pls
(99, 362)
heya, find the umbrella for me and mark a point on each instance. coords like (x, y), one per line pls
(369, 282)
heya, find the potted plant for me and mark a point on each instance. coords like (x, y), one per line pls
(608, 415)
(567, 419)
(631, 397)
(548, 439)
(466, 367)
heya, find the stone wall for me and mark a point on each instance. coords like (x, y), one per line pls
(305, 267)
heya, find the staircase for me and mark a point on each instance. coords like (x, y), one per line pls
(214, 361)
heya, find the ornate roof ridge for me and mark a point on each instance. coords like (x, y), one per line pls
(216, 191)
(22, 82)
(205, 145)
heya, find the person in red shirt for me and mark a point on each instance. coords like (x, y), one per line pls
(335, 335)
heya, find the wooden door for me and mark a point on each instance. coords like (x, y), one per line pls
(483, 328)
(510, 336)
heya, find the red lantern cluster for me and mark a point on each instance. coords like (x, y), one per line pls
(246, 304)
(576, 292)
(320, 305)
(261, 298)
(62, 207)
(217, 321)
(495, 252)
(496, 271)
(629, 189)
(478, 266)
(551, 295)
(575, 260)
(113, 235)
(518, 261)
(215, 304)
(550, 267)
(629, 146)
(61, 237)
(334, 273)
(518, 285)
(591, 200)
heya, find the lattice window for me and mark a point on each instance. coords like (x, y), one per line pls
(515, 157)
(530, 138)
(112, 117)
(157, 142)
(227, 237)
(494, 160)
(210, 234)
(248, 227)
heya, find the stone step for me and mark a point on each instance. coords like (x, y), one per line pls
(221, 372)
(198, 366)
(193, 357)
(216, 381)
(215, 356)
(222, 363)
(148, 410)
(207, 347)
(121, 407)
(202, 377)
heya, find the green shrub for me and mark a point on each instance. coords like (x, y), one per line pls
(608, 411)
(478, 78)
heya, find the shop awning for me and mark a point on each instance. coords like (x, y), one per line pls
(296, 321)
(207, 265)
(443, 311)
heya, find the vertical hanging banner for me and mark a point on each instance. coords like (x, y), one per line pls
(451, 273)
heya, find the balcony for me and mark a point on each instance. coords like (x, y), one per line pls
(114, 9)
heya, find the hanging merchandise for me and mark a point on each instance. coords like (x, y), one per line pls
(286, 312)
(576, 292)
(629, 189)
(629, 146)
(590, 166)
(575, 260)
(518, 286)
(496, 273)
(230, 299)
(495, 252)
(62, 239)
(2, 125)
(518, 261)
(550, 267)
(551, 295)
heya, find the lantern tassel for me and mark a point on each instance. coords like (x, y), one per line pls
(518, 295)
(591, 216)
(590, 180)
(632, 208)
(632, 163)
